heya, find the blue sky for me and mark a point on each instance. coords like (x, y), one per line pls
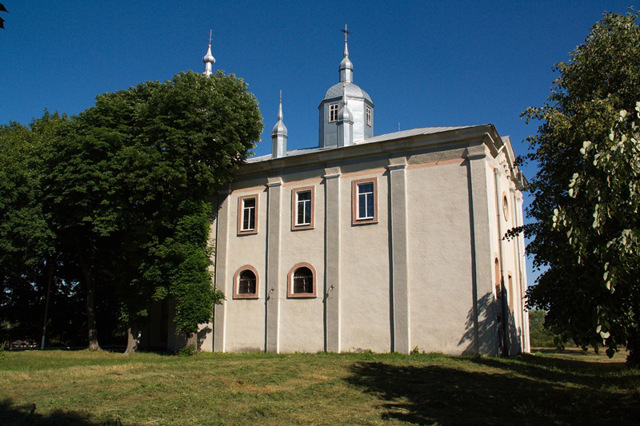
(424, 63)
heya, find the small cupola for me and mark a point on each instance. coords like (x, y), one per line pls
(208, 59)
(345, 102)
(279, 136)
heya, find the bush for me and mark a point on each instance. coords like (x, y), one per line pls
(541, 337)
(188, 350)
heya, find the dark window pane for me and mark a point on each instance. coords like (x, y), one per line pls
(370, 205)
(247, 282)
(303, 280)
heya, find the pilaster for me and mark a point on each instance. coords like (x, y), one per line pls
(485, 334)
(272, 296)
(399, 254)
(220, 265)
(332, 259)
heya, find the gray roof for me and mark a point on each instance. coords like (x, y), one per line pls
(353, 91)
(380, 138)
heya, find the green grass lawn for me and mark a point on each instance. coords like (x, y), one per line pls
(57, 387)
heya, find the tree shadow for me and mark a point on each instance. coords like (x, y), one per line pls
(581, 372)
(481, 334)
(11, 414)
(444, 395)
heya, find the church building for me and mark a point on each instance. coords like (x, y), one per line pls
(388, 243)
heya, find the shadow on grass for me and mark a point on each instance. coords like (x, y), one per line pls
(575, 371)
(444, 395)
(11, 414)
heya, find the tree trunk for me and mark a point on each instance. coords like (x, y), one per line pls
(133, 339)
(192, 340)
(46, 303)
(90, 306)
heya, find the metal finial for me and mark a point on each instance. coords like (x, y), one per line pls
(208, 59)
(346, 32)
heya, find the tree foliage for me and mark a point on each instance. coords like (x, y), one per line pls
(608, 232)
(600, 79)
(541, 337)
(27, 255)
(120, 195)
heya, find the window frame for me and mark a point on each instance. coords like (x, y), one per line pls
(236, 283)
(333, 112)
(369, 116)
(355, 201)
(241, 200)
(295, 226)
(505, 207)
(290, 276)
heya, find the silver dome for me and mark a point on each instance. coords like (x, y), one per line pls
(352, 91)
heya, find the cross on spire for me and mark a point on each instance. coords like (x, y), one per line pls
(210, 36)
(346, 32)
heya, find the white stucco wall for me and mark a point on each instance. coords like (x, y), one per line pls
(302, 320)
(245, 319)
(365, 303)
(440, 264)
(441, 301)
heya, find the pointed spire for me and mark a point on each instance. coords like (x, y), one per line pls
(346, 67)
(208, 59)
(279, 135)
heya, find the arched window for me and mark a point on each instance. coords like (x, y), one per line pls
(302, 281)
(245, 283)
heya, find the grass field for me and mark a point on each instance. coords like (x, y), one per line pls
(56, 387)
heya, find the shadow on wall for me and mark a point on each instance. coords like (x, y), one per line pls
(535, 394)
(202, 335)
(11, 414)
(487, 333)
(497, 331)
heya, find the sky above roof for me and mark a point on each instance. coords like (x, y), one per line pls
(424, 63)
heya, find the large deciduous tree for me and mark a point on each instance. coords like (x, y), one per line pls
(27, 254)
(601, 78)
(129, 189)
(609, 234)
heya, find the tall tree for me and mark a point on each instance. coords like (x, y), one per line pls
(129, 185)
(189, 135)
(81, 200)
(609, 189)
(600, 79)
(27, 254)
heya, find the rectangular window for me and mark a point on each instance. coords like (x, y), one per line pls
(369, 116)
(248, 214)
(333, 112)
(302, 207)
(364, 201)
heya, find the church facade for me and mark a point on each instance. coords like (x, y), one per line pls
(388, 243)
